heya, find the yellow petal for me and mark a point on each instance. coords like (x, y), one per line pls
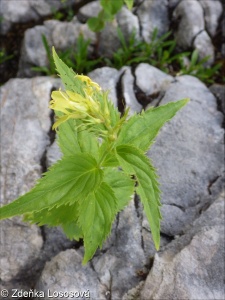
(88, 81)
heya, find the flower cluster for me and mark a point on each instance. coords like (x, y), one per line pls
(77, 106)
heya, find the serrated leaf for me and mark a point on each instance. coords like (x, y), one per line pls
(72, 230)
(129, 3)
(88, 142)
(54, 216)
(96, 216)
(74, 139)
(110, 159)
(67, 137)
(122, 185)
(67, 75)
(133, 161)
(141, 130)
(109, 108)
(68, 181)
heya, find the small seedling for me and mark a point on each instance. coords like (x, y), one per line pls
(103, 163)
(50, 69)
(109, 10)
(197, 68)
(76, 58)
(4, 57)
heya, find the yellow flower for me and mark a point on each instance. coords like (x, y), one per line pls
(89, 82)
(75, 106)
(90, 87)
(62, 102)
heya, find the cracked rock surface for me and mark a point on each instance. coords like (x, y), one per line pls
(188, 154)
(29, 10)
(191, 178)
(25, 124)
(191, 267)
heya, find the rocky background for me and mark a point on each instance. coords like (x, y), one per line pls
(188, 153)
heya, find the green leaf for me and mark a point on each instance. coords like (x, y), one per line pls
(194, 58)
(67, 137)
(96, 216)
(72, 139)
(68, 181)
(134, 162)
(141, 129)
(67, 75)
(122, 185)
(88, 142)
(129, 3)
(96, 24)
(111, 7)
(54, 216)
(72, 230)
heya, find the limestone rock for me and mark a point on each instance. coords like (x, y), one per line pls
(25, 123)
(191, 266)
(62, 35)
(30, 10)
(89, 10)
(53, 154)
(108, 40)
(189, 17)
(205, 47)
(153, 14)
(128, 23)
(188, 154)
(130, 99)
(152, 82)
(212, 14)
(219, 91)
(64, 273)
(173, 3)
(20, 245)
(107, 78)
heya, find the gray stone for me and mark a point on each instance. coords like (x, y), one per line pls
(118, 267)
(28, 10)
(33, 52)
(212, 13)
(153, 14)
(173, 3)
(20, 245)
(190, 18)
(130, 99)
(191, 266)
(108, 40)
(192, 144)
(128, 23)
(188, 154)
(25, 123)
(65, 34)
(219, 91)
(24, 109)
(107, 78)
(152, 81)
(62, 35)
(65, 273)
(89, 10)
(134, 293)
(205, 47)
(112, 272)
(53, 154)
